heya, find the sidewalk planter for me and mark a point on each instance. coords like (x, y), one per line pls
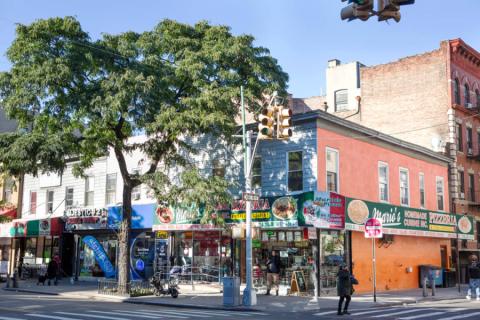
(134, 288)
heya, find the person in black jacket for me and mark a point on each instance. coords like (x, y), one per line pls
(474, 274)
(344, 289)
(273, 272)
(52, 272)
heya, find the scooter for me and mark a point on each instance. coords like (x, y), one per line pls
(158, 282)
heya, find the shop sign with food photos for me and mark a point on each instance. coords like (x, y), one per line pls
(408, 221)
(325, 210)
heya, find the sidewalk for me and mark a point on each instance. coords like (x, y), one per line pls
(209, 297)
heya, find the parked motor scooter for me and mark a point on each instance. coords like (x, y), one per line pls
(158, 282)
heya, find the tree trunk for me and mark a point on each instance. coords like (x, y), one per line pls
(124, 240)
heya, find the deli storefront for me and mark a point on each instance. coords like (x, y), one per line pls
(412, 237)
(307, 230)
(31, 243)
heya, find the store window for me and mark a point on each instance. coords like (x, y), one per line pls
(33, 202)
(440, 195)
(30, 251)
(49, 202)
(383, 181)
(257, 172)
(88, 264)
(295, 171)
(69, 197)
(404, 187)
(422, 190)
(111, 189)
(332, 170)
(89, 191)
(332, 255)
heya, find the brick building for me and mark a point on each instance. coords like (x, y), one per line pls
(433, 100)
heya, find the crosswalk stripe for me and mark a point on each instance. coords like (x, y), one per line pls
(184, 313)
(335, 311)
(50, 316)
(374, 311)
(461, 316)
(10, 318)
(209, 313)
(150, 314)
(423, 315)
(92, 316)
(397, 313)
(124, 314)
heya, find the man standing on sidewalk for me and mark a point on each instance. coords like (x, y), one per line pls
(273, 272)
(474, 274)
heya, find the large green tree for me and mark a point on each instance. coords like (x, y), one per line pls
(75, 97)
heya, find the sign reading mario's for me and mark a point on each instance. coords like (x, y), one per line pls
(85, 219)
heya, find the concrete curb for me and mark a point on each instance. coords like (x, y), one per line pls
(31, 291)
(191, 306)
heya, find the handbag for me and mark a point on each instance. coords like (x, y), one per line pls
(353, 280)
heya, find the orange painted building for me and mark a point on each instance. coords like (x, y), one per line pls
(362, 163)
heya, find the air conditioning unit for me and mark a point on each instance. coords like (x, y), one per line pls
(462, 195)
(470, 151)
(468, 105)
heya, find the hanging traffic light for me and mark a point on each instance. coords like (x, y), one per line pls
(267, 122)
(358, 9)
(284, 130)
(390, 9)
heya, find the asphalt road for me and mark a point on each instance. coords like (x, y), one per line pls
(18, 306)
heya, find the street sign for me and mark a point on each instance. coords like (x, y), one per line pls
(250, 196)
(373, 228)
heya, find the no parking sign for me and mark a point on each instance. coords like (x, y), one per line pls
(373, 228)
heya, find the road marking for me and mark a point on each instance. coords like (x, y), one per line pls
(184, 313)
(335, 311)
(423, 315)
(124, 314)
(50, 316)
(209, 313)
(397, 313)
(92, 316)
(150, 314)
(10, 318)
(461, 316)
(374, 311)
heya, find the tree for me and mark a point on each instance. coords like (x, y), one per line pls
(75, 97)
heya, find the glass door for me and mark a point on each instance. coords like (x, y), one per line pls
(332, 255)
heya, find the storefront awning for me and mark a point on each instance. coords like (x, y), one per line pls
(10, 212)
(31, 228)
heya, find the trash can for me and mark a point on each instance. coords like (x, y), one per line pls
(231, 291)
(432, 273)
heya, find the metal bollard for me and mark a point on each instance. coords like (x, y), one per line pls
(433, 288)
(424, 286)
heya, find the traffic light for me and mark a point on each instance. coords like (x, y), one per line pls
(284, 124)
(267, 122)
(361, 9)
(390, 9)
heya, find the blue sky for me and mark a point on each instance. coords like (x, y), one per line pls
(302, 34)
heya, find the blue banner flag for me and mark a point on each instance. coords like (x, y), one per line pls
(100, 256)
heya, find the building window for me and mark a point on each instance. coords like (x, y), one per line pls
(49, 202)
(456, 91)
(341, 100)
(295, 171)
(459, 137)
(467, 95)
(471, 186)
(469, 141)
(404, 188)
(257, 172)
(332, 170)
(8, 186)
(136, 191)
(477, 96)
(461, 179)
(422, 190)
(383, 181)
(218, 168)
(439, 181)
(111, 189)
(33, 202)
(69, 197)
(89, 191)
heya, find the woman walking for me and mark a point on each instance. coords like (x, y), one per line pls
(344, 289)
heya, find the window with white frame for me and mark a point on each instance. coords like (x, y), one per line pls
(218, 168)
(440, 196)
(295, 171)
(8, 186)
(421, 182)
(383, 181)
(332, 169)
(33, 202)
(136, 191)
(111, 189)
(49, 202)
(89, 191)
(257, 172)
(341, 100)
(68, 197)
(404, 187)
